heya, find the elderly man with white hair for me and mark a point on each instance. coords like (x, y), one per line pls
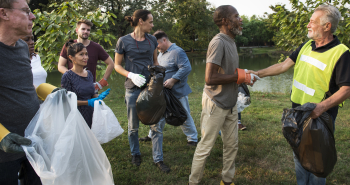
(321, 73)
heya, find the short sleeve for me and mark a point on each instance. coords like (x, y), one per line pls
(64, 52)
(215, 52)
(294, 55)
(120, 47)
(102, 54)
(154, 40)
(342, 70)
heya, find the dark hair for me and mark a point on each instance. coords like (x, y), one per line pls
(8, 3)
(138, 14)
(85, 21)
(160, 34)
(222, 12)
(73, 48)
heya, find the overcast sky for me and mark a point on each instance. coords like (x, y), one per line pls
(250, 7)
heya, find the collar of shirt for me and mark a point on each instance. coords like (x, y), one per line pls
(326, 47)
(171, 47)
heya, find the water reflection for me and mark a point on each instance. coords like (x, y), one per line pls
(281, 83)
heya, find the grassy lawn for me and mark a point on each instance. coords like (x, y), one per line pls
(264, 156)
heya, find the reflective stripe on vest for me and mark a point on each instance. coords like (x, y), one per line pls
(313, 72)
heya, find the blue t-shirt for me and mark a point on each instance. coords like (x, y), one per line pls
(138, 55)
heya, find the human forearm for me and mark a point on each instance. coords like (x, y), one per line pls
(80, 103)
(62, 69)
(110, 65)
(276, 69)
(337, 98)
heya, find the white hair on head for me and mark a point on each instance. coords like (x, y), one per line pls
(332, 15)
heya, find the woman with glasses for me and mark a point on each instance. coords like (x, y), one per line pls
(138, 49)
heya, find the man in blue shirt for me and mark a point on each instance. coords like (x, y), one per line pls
(178, 67)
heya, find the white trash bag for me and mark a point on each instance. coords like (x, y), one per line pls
(105, 125)
(242, 102)
(64, 151)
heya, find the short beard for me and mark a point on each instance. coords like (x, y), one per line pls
(314, 36)
(236, 31)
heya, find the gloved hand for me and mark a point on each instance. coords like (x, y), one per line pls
(137, 79)
(11, 142)
(253, 78)
(100, 84)
(104, 94)
(92, 101)
(246, 78)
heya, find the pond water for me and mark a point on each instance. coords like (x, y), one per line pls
(281, 83)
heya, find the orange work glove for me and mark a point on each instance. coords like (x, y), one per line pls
(244, 77)
(99, 85)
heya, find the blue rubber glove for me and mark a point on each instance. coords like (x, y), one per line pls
(92, 101)
(104, 94)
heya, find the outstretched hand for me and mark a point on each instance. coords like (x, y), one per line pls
(253, 77)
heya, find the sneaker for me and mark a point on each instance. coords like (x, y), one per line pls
(162, 167)
(241, 127)
(136, 160)
(145, 139)
(192, 143)
(222, 183)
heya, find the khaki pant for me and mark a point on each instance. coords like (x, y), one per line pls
(214, 119)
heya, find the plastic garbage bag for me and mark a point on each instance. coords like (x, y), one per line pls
(312, 140)
(64, 150)
(150, 104)
(175, 114)
(242, 102)
(243, 99)
(105, 125)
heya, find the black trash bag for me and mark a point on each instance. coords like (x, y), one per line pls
(312, 140)
(175, 114)
(150, 104)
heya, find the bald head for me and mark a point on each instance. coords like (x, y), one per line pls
(224, 11)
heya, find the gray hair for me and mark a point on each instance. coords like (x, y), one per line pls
(332, 15)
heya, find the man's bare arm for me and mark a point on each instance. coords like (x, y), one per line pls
(62, 65)
(274, 69)
(337, 98)
(110, 66)
(212, 77)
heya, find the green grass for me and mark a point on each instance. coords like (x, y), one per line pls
(264, 156)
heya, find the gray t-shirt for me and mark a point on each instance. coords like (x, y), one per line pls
(19, 101)
(222, 51)
(138, 55)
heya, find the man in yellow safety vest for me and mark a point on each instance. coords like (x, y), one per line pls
(321, 73)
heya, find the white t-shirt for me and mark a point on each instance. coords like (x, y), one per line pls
(39, 73)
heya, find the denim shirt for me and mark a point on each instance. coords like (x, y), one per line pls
(177, 65)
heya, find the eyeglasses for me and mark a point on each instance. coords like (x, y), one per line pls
(26, 10)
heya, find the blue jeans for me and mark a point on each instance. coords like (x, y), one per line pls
(133, 127)
(188, 128)
(305, 177)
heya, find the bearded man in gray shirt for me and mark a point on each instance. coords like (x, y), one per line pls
(219, 111)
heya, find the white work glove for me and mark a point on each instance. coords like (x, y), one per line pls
(137, 79)
(253, 78)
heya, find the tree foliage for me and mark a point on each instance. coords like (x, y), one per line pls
(59, 25)
(255, 32)
(292, 25)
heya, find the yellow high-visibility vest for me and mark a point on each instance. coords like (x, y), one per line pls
(313, 72)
